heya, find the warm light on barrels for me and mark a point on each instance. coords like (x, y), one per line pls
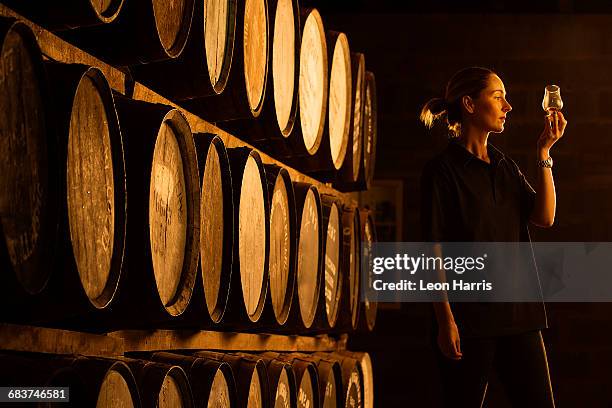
(284, 44)
(114, 392)
(219, 27)
(313, 83)
(252, 236)
(90, 185)
(216, 223)
(255, 51)
(339, 100)
(167, 221)
(308, 271)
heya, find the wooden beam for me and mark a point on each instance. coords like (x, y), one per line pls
(43, 340)
(139, 340)
(56, 49)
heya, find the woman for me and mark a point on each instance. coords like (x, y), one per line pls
(472, 192)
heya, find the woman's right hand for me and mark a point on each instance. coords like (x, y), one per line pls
(448, 340)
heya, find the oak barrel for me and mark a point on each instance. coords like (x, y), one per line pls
(250, 375)
(285, 69)
(332, 275)
(349, 172)
(246, 86)
(340, 92)
(163, 212)
(93, 178)
(92, 381)
(90, 180)
(281, 381)
(330, 155)
(205, 61)
(161, 385)
(307, 134)
(368, 305)
(352, 386)
(330, 380)
(68, 14)
(216, 241)
(283, 242)
(367, 375)
(309, 258)
(29, 207)
(348, 317)
(280, 106)
(251, 237)
(145, 31)
(111, 380)
(212, 381)
(306, 378)
(366, 158)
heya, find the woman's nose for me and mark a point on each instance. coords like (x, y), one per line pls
(507, 107)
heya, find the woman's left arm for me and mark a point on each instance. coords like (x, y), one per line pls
(543, 214)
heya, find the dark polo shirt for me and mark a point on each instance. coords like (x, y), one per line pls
(465, 199)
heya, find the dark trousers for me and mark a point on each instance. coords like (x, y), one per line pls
(519, 361)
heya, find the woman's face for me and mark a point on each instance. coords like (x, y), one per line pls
(491, 107)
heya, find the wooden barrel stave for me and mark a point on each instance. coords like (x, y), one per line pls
(246, 86)
(212, 381)
(143, 30)
(68, 14)
(28, 231)
(248, 288)
(168, 77)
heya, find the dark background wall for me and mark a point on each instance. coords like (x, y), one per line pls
(413, 50)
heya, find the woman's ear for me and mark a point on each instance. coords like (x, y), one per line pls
(468, 103)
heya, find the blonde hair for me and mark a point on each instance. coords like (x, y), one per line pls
(468, 81)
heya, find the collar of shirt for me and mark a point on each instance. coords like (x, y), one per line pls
(464, 156)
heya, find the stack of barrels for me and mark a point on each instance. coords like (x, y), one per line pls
(199, 379)
(268, 71)
(114, 214)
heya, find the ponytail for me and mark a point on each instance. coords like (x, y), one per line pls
(468, 81)
(433, 110)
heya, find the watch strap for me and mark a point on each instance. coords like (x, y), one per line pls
(548, 163)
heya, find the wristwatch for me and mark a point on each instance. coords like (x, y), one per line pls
(548, 163)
